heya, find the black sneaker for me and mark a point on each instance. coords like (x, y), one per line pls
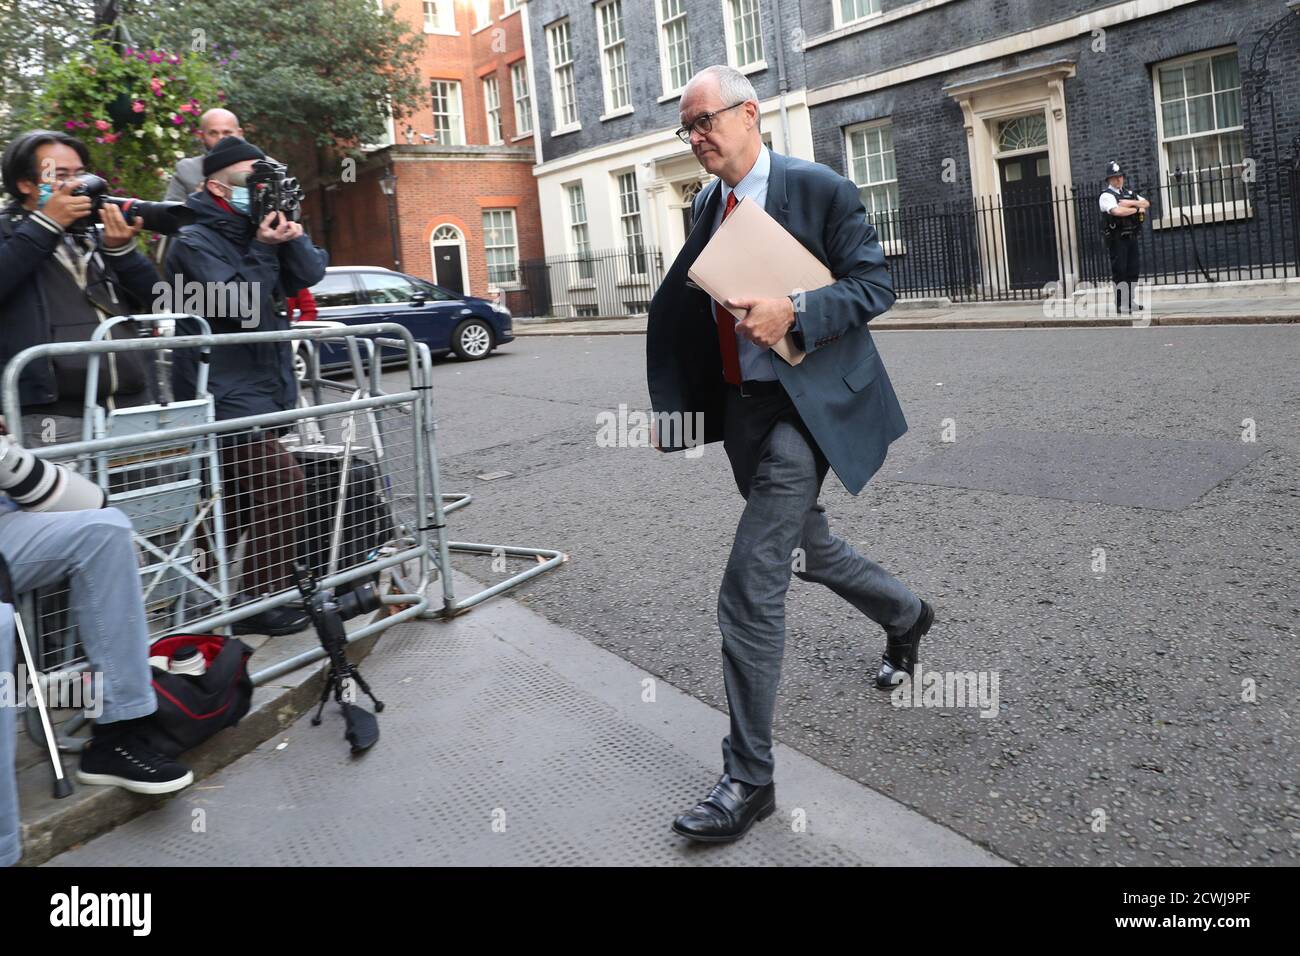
(124, 761)
(274, 622)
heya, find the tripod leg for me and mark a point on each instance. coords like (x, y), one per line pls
(330, 679)
(361, 682)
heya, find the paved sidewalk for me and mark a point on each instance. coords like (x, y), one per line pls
(911, 316)
(510, 740)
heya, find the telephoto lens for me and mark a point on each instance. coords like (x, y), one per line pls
(37, 485)
(359, 600)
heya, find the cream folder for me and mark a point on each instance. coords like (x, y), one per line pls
(752, 257)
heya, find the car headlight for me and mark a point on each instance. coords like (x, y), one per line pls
(500, 309)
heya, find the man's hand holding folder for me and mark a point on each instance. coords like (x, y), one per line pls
(752, 265)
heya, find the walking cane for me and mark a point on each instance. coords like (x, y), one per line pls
(62, 788)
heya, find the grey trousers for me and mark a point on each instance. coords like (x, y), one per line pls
(93, 550)
(779, 470)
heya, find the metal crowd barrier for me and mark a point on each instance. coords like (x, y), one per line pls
(365, 497)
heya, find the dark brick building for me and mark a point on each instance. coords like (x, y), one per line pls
(976, 129)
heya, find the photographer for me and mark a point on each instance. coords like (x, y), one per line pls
(60, 277)
(93, 550)
(255, 264)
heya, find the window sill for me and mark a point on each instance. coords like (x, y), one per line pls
(508, 14)
(528, 135)
(1200, 215)
(636, 280)
(441, 33)
(674, 95)
(756, 67)
(480, 29)
(621, 111)
(566, 130)
(586, 285)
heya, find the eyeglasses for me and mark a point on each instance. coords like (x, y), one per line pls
(703, 123)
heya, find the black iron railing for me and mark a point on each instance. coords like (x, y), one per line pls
(1219, 224)
(590, 284)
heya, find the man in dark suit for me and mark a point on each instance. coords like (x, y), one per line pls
(783, 426)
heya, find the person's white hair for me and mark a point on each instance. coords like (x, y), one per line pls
(733, 86)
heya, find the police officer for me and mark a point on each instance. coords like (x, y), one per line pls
(1122, 212)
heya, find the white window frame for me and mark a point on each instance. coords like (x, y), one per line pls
(891, 245)
(1215, 211)
(524, 113)
(873, 11)
(579, 227)
(510, 219)
(562, 76)
(730, 11)
(444, 11)
(459, 114)
(627, 217)
(510, 7)
(665, 67)
(482, 15)
(609, 53)
(492, 109)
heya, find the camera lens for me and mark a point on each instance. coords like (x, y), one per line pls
(359, 600)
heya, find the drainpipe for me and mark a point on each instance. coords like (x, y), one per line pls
(783, 85)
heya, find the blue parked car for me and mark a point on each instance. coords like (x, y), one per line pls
(446, 321)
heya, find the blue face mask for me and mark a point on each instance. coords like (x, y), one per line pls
(239, 198)
(43, 194)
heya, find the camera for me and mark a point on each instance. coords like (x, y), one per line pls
(272, 189)
(328, 612)
(37, 485)
(162, 217)
(325, 602)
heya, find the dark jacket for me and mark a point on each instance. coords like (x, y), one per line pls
(27, 246)
(221, 247)
(840, 389)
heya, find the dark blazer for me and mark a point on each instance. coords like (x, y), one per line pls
(840, 389)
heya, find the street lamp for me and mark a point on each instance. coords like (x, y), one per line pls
(388, 183)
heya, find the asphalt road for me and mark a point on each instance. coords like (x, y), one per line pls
(1121, 734)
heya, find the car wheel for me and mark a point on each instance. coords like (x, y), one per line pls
(472, 340)
(300, 366)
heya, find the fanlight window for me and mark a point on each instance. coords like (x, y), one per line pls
(1023, 132)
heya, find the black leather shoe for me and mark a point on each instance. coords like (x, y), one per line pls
(728, 812)
(900, 652)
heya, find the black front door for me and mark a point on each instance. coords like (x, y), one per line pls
(446, 260)
(1027, 216)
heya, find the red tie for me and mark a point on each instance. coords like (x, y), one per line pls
(727, 324)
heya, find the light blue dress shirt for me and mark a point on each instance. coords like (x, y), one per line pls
(756, 362)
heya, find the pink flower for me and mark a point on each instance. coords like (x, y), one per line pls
(137, 106)
(155, 57)
(70, 124)
(111, 137)
(184, 108)
(177, 119)
(155, 84)
(128, 51)
(101, 125)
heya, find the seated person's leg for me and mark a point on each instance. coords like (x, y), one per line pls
(93, 549)
(10, 848)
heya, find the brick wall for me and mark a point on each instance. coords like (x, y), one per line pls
(707, 46)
